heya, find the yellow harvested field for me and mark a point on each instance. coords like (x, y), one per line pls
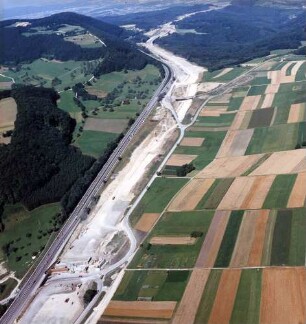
(213, 239)
(210, 113)
(116, 126)
(240, 94)
(258, 193)
(229, 167)
(250, 103)
(208, 129)
(222, 73)
(297, 113)
(215, 112)
(247, 193)
(6, 85)
(180, 159)
(256, 251)
(244, 241)
(192, 141)
(8, 112)
(172, 240)
(278, 77)
(250, 241)
(272, 88)
(189, 197)
(117, 320)
(146, 309)
(235, 143)
(298, 193)
(291, 162)
(296, 67)
(146, 222)
(96, 92)
(224, 99)
(217, 108)
(85, 39)
(241, 120)
(283, 296)
(268, 101)
(190, 302)
(267, 65)
(226, 294)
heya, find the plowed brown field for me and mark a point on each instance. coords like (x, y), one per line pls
(213, 239)
(180, 159)
(146, 222)
(192, 141)
(229, 167)
(189, 304)
(225, 298)
(148, 309)
(298, 193)
(283, 296)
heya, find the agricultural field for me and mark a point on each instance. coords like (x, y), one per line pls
(53, 73)
(7, 287)
(115, 101)
(238, 223)
(103, 108)
(8, 113)
(26, 234)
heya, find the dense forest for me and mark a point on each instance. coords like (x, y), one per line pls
(17, 48)
(236, 34)
(152, 19)
(40, 165)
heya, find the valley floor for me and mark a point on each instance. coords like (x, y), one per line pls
(228, 245)
(217, 245)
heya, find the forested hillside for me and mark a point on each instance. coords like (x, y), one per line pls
(40, 38)
(236, 34)
(40, 165)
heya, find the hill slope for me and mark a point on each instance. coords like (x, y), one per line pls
(52, 38)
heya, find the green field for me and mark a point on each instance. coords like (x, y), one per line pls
(214, 195)
(222, 121)
(205, 153)
(288, 244)
(229, 240)
(7, 287)
(257, 90)
(301, 73)
(66, 102)
(211, 76)
(247, 302)
(108, 82)
(259, 81)
(174, 256)
(208, 297)
(94, 143)
(42, 72)
(235, 103)
(280, 191)
(152, 285)
(27, 233)
(157, 197)
(272, 139)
